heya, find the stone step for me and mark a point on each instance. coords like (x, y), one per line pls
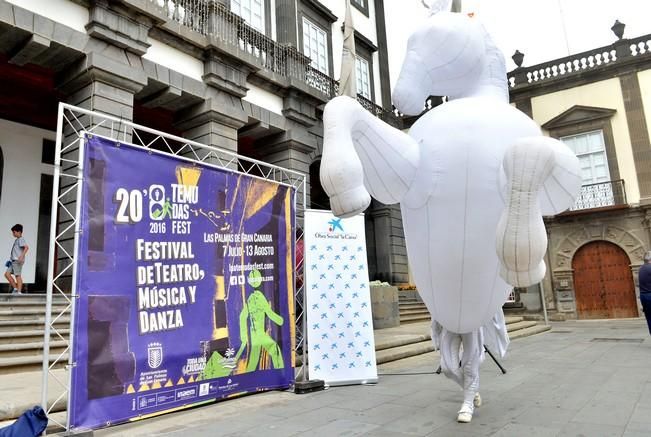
(414, 345)
(401, 340)
(418, 315)
(29, 305)
(29, 363)
(512, 319)
(401, 352)
(26, 297)
(29, 336)
(26, 314)
(513, 306)
(411, 305)
(15, 350)
(526, 332)
(32, 324)
(405, 300)
(415, 318)
(516, 326)
(415, 312)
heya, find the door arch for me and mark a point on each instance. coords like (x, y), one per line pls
(603, 282)
(2, 170)
(318, 197)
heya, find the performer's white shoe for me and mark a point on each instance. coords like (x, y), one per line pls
(477, 400)
(465, 414)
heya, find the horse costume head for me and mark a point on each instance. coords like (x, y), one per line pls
(450, 55)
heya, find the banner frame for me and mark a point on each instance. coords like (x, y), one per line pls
(65, 226)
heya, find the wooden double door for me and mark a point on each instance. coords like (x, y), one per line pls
(603, 282)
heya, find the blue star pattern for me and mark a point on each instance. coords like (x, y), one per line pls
(338, 296)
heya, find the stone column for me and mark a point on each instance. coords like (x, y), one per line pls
(638, 132)
(547, 282)
(292, 150)
(214, 122)
(101, 83)
(390, 247)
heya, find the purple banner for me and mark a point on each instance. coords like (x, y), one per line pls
(185, 284)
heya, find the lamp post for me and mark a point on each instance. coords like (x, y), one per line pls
(618, 29)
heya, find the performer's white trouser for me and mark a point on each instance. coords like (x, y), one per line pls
(467, 376)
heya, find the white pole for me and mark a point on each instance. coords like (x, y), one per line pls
(74, 294)
(544, 304)
(51, 261)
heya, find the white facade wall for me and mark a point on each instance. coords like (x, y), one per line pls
(61, 11)
(21, 185)
(174, 59)
(264, 99)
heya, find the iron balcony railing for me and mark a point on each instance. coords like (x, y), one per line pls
(212, 19)
(600, 195)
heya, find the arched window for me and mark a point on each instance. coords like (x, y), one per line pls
(318, 197)
(2, 171)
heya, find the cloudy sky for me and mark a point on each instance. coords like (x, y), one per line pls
(542, 29)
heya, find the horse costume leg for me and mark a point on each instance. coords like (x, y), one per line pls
(363, 155)
(531, 168)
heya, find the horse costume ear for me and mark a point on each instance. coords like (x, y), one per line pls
(436, 6)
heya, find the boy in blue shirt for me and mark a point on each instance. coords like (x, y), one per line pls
(16, 260)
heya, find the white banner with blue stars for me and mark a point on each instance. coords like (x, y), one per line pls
(341, 347)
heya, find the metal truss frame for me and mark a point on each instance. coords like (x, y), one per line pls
(73, 123)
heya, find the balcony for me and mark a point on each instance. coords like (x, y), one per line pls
(621, 52)
(601, 195)
(274, 61)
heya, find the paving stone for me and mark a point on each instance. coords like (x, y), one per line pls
(386, 413)
(420, 423)
(383, 433)
(545, 416)
(614, 410)
(635, 429)
(343, 428)
(363, 402)
(591, 430)
(641, 415)
(518, 430)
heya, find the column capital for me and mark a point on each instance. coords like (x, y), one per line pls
(225, 73)
(221, 108)
(96, 67)
(297, 139)
(122, 28)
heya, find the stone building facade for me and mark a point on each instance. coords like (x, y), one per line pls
(598, 103)
(250, 76)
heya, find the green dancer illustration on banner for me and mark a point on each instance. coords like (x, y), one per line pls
(257, 308)
(166, 210)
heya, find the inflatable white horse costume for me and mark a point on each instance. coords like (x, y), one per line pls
(473, 176)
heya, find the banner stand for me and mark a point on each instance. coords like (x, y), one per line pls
(338, 301)
(73, 123)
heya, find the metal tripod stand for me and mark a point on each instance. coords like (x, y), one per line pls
(438, 371)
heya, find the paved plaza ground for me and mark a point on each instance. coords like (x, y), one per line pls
(584, 378)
